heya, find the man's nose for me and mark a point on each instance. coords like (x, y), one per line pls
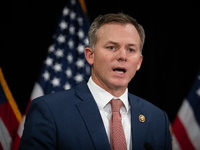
(122, 54)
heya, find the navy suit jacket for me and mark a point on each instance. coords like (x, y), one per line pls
(71, 120)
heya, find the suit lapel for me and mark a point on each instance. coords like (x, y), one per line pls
(138, 128)
(89, 111)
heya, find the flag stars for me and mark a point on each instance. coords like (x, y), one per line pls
(71, 44)
(80, 63)
(67, 86)
(69, 58)
(57, 67)
(68, 72)
(88, 69)
(80, 48)
(71, 29)
(65, 66)
(72, 15)
(65, 11)
(78, 78)
(80, 34)
(63, 25)
(61, 39)
(59, 53)
(55, 82)
(49, 61)
(46, 75)
(198, 92)
(80, 21)
(51, 48)
(73, 2)
(86, 41)
(199, 77)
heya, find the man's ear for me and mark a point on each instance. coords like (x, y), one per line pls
(89, 55)
(139, 62)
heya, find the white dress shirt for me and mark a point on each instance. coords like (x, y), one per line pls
(102, 99)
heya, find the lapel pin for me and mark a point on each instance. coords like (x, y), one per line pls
(142, 118)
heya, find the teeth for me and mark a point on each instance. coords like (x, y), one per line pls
(120, 72)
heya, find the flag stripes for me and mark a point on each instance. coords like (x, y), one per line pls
(186, 126)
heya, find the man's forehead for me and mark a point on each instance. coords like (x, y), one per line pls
(108, 33)
(114, 27)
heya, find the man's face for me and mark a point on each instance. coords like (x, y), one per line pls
(117, 56)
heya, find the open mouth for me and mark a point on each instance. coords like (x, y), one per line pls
(119, 70)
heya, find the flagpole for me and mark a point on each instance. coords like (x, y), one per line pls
(10, 97)
(83, 6)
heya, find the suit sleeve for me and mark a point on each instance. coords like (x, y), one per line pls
(39, 129)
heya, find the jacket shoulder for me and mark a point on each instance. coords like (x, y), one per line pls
(65, 99)
(144, 105)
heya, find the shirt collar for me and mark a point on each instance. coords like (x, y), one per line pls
(102, 97)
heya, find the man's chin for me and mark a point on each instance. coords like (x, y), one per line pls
(120, 85)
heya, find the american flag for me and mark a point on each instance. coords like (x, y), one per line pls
(65, 65)
(186, 126)
(10, 115)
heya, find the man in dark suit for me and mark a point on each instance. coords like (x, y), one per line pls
(80, 118)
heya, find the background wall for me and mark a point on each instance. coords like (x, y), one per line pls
(171, 52)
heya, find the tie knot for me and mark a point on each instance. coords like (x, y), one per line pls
(116, 105)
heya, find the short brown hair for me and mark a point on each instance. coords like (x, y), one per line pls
(118, 18)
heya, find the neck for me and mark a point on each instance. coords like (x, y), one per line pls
(117, 93)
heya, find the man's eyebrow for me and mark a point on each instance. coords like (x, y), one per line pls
(134, 45)
(112, 42)
(116, 43)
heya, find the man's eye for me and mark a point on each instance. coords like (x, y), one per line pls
(131, 50)
(111, 47)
